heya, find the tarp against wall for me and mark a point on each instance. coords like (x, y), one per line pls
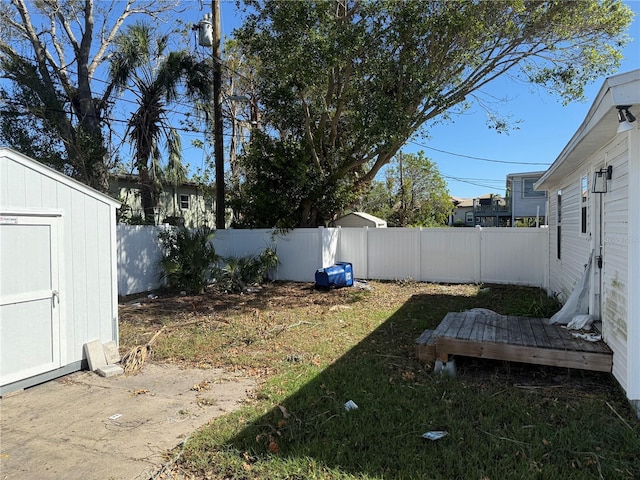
(578, 302)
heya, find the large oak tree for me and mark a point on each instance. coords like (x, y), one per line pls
(51, 52)
(351, 81)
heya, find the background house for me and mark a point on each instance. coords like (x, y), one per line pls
(58, 274)
(522, 206)
(189, 203)
(528, 206)
(594, 188)
(492, 210)
(462, 215)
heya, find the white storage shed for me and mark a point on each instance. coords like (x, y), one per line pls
(359, 220)
(58, 278)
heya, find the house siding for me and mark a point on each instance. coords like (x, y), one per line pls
(525, 206)
(576, 246)
(201, 209)
(615, 255)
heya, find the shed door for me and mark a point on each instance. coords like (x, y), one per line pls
(29, 297)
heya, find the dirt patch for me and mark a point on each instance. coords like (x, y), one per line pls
(87, 426)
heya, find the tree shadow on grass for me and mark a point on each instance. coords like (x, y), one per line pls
(496, 429)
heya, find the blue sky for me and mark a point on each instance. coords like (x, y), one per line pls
(545, 125)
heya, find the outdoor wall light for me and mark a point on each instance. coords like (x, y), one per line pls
(625, 118)
(600, 178)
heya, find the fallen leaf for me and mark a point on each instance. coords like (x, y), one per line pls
(198, 387)
(284, 411)
(273, 446)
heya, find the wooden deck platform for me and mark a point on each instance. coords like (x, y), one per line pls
(517, 339)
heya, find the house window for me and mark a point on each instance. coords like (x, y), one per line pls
(559, 227)
(184, 202)
(468, 217)
(528, 191)
(584, 194)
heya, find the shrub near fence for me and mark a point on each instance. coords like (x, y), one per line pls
(516, 256)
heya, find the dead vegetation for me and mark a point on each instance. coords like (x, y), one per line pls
(252, 331)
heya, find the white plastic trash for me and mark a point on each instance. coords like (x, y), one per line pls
(350, 405)
(435, 435)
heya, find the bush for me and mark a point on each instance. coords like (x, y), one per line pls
(188, 259)
(234, 274)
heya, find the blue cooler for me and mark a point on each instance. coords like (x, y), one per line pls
(338, 275)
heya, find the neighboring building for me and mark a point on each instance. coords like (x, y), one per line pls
(522, 206)
(594, 194)
(491, 210)
(462, 215)
(360, 219)
(528, 206)
(188, 204)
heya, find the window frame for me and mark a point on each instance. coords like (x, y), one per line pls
(531, 193)
(584, 204)
(184, 199)
(468, 217)
(559, 225)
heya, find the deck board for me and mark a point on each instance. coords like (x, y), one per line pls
(515, 333)
(520, 339)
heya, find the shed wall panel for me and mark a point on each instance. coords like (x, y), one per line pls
(78, 271)
(104, 283)
(64, 202)
(4, 183)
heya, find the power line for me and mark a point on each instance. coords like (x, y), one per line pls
(477, 158)
(470, 182)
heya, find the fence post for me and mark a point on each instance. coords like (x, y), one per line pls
(365, 249)
(478, 263)
(546, 256)
(418, 255)
(322, 246)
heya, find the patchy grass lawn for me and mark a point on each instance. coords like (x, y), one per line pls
(313, 351)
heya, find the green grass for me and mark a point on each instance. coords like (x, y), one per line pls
(505, 420)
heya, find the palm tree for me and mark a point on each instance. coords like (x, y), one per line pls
(159, 79)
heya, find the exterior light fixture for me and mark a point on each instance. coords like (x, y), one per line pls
(600, 178)
(625, 118)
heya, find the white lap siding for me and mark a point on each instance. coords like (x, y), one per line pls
(615, 257)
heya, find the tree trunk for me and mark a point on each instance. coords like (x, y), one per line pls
(146, 196)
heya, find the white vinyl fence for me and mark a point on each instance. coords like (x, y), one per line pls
(517, 256)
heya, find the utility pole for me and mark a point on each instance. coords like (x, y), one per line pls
(218, 143)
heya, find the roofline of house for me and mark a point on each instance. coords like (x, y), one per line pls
(131, 177)
(525, 174)
(56, 175)
(616, 90)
